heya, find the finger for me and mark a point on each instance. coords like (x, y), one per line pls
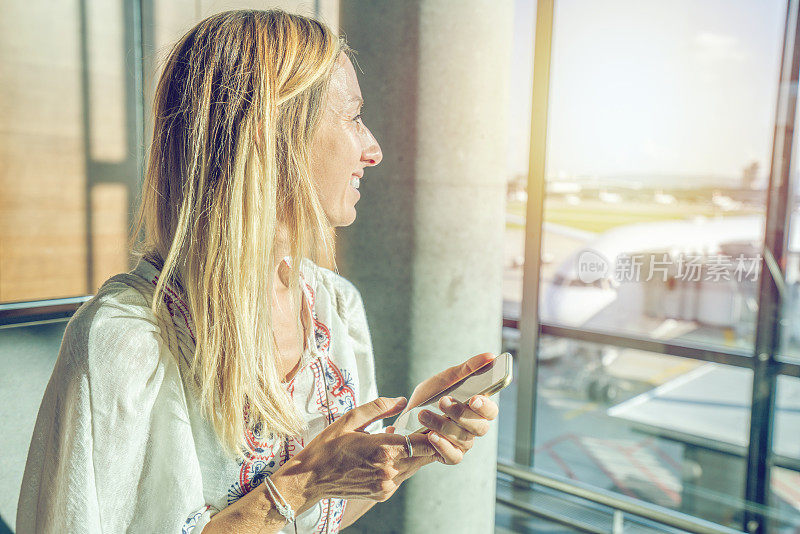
(409, 466)
(457, 372)
(393, 448)
(366, 414)
(447, 428)
(484, 406)
(476, 362)
(420, 446)
(448, 453)
(453, 374)
(465, 417)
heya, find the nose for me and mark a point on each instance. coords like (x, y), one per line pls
(371, 155)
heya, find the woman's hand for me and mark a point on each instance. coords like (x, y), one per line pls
(462, 422)
(347, 462)
(459, 426)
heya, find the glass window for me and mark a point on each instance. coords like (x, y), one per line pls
(66, 150)
(790, 326)
(785, 483)
(72, 135)
(659, 138)
(659, 143)
(659, 428)
(785, 500)
(786, 440)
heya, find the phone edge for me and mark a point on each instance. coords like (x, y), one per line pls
(495, 388)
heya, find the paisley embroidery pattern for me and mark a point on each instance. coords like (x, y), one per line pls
(271, 454)
(256, 466)
(337, 513)
(191, 522)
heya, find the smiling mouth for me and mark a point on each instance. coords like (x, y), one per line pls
(355, 181)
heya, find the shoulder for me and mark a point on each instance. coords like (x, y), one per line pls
(341, 292)
(115, 330)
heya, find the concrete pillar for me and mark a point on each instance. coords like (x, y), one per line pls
(426, 248)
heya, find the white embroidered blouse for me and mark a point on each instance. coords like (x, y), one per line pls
(120, 444)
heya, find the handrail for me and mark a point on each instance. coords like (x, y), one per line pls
(642, 509)
(696, 351)
(19, 313)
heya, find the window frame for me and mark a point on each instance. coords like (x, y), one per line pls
(764, 360)
(136, 24)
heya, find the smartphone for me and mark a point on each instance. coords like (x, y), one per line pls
(486, 380)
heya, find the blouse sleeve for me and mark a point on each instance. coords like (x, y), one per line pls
(112, 448)
(358, 330)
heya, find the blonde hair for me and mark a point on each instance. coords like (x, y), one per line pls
(235, 110)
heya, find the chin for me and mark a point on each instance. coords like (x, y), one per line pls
(343, 220)
(347, 221)
(349, 217)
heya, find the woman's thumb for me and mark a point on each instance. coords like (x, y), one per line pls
(366, 414)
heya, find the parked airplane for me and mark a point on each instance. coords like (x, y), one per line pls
(695, 278)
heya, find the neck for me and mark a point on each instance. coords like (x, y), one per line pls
(281, 250)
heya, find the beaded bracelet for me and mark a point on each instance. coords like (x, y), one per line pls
(280, 503)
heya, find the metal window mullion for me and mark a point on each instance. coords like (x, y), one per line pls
(736, 358)
(83, 38)
(765, 366)
(529, 320)
(733, 357)
(135, 19)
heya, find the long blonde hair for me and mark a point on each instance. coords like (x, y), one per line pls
(235, 110)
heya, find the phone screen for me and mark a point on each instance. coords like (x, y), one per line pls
(496, 373)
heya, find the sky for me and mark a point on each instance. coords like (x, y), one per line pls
(651, 87)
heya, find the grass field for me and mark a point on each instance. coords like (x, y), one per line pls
(596, 216)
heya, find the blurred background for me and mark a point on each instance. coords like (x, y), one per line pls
(648, 266)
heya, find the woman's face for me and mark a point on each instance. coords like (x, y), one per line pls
(342, 146)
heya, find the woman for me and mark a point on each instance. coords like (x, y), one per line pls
(196, 392)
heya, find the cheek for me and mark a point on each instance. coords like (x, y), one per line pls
(336, 155)
(343, 149)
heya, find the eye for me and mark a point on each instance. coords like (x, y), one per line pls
(357, 118)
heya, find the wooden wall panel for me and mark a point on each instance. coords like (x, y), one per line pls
(43, 165)
(109, 231)
(42, 172)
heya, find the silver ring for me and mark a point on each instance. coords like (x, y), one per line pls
(408, 447)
